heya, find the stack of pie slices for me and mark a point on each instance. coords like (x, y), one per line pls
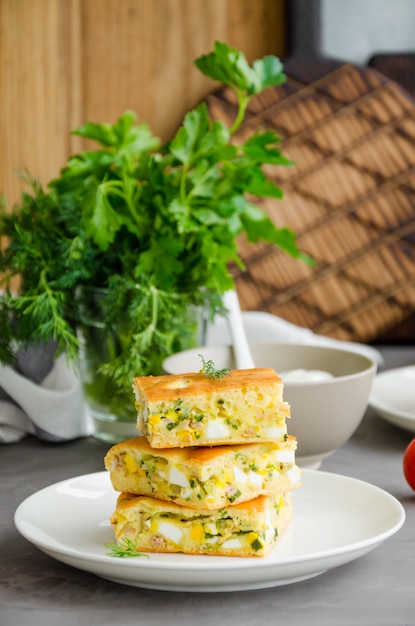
(213, 469)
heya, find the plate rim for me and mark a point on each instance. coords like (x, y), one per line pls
(388, 411)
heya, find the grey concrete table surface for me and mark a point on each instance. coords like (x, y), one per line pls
(376, 589)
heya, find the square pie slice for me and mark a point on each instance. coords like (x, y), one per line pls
(247, 530)
(209, 477)
(183, 410)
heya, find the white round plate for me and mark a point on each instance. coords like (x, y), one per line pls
(393, 396)
(336, 520)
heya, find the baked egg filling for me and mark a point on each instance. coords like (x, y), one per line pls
(191, 424)
(228, 480)
(163, 529)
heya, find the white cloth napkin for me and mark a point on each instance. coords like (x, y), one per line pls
(52, 410)
(265, 327)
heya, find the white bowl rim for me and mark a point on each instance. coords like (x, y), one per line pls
(369, 367)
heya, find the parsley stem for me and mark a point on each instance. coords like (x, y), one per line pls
(183, 196)
(243, 101)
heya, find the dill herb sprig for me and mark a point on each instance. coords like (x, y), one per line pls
(126, 548)
(211, 372)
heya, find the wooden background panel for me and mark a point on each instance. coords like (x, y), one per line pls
(34, 90)
(63, 62)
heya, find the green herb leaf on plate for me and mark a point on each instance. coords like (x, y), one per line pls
(125, 548)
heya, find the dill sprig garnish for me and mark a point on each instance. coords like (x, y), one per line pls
(126, 548)
(211, 372)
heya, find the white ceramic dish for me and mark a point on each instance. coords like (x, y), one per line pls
(336, 520)
(393, 396)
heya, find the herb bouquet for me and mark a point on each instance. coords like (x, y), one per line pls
(133, 237)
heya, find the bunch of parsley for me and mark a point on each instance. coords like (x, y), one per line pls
(154, 226)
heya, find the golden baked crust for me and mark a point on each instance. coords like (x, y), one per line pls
(248, 529)
(192, 410)
(159, 388)
(208, 478)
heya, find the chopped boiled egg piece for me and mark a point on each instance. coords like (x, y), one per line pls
(197, 532)
(275, 431)
(130, 463)
(176, 477)
(210, 528)
(294, 474)
(216, 429)
(285, 456)
(170, 531)
(212, 540)
(232, 543)
(268, 519)
(255, 478)
(239, 476)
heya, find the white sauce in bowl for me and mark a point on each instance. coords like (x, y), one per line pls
(304, 376)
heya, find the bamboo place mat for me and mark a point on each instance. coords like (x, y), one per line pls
(350, 197)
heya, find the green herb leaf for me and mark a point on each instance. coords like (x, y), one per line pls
(267, 72)
(259, 185)
(190, 139)
(105, 221)
(227, 65)
(124, 133)
(211, 372)
(125, 548)
(261, 148)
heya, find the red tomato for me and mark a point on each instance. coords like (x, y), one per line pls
(409, 464)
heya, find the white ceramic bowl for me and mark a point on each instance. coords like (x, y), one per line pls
(325, 413)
